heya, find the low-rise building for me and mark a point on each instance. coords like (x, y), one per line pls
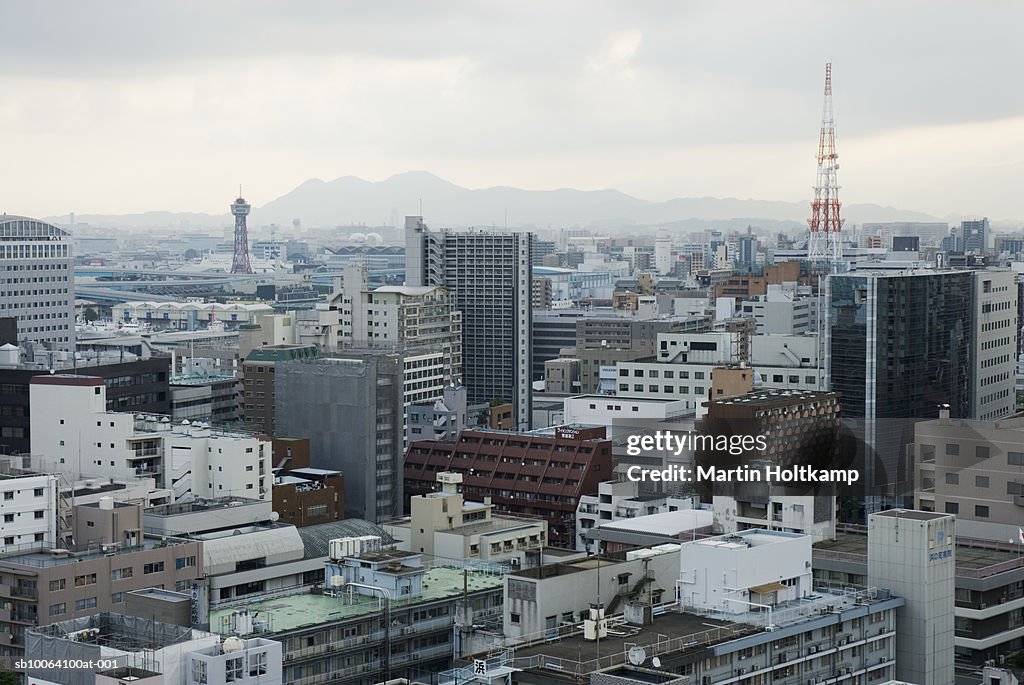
(617, 500)
(443, 524)
(29, 504)
(44, 583)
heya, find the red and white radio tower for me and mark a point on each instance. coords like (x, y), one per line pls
(240, 262)
(824, 243)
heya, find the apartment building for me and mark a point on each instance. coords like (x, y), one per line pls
(43, 584)
(78, 435)
(29, 504)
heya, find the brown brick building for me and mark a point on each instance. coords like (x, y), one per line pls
(305, 495)
(522, 473)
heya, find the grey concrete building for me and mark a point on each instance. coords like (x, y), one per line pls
(913, 553)
(38, 286)
(351, 408)
(973, 469)
(490, 274)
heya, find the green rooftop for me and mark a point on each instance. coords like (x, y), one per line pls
(291, 612)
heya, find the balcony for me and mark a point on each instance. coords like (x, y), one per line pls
(24, 592)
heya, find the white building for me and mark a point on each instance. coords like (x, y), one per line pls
(994, 345)
(28, 509)
(787, 362)
(740, 572)
(73, 429)
(255, 660)
(622, 413)
(188, 315)
(443, 524)
(813, 515)
(663, 255)
(39, 283)
(618, 500)
(780, 311)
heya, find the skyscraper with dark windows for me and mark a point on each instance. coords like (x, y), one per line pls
(974, 235)
(898, 345)
(490, 274)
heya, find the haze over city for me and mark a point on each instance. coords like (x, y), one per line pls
(115, 108)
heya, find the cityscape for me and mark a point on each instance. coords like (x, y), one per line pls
(498, 423)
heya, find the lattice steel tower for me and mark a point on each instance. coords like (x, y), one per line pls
(240, 262)
(824, 242)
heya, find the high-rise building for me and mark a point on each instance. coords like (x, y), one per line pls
(38, 286)
(663, 255)
(351, 409)
(974, 235)
(399, 316)
(901, 344)
(993, 344)
(490, 274)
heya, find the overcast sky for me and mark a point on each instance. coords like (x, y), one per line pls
(130, 106)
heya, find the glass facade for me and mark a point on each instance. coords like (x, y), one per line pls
(899, 346)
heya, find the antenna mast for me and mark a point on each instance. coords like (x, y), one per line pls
(824, 242)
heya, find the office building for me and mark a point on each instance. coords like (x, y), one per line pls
(351, 408)
(259, 383)
(523, 473)
(899, 345)
(987, 577)
(780, 311)
(204, 393)
(913, 553)
(974, 236)
(993, 344)
(553, 332)
(490, 274)
(972, 469)
(132, 384)
(50, 584)
(38, 287)
(78, 435)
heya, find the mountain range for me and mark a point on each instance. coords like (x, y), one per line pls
(350, 201)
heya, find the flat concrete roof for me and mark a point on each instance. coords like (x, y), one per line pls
(303, 610)
(912, 514)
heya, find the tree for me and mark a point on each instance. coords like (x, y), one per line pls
(8, 678)
(90, 315)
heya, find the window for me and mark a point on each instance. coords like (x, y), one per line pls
(83, 604)
(39, 515)
(952, 449)
(87, 579)
(1015, 458)
(156, 567)
(981, 511)
(514, 618)
(117, 598)
(8, 518)
(257, 664)
(119, 573)
(981, 481)
(58, 609)
(233, 670)
(981, 452)
(39, 492)
(952, 508)
(184, 562)
(8, 496)
(199, 671)
(57, 585)
(952, 479)
(777, 378)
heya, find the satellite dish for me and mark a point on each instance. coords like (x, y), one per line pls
(636, 655)
(656, 662)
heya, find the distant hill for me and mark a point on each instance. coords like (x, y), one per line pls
(349, 200)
